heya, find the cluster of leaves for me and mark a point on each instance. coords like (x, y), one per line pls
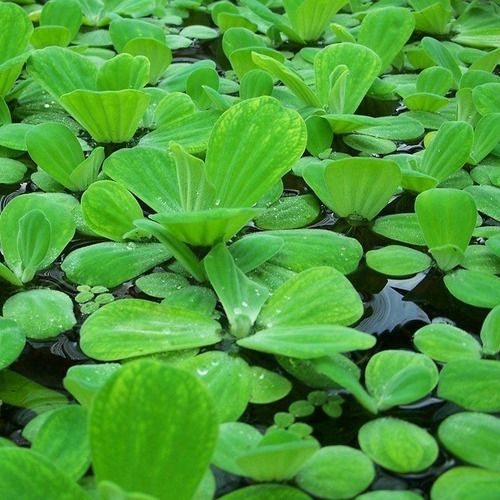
(172, 175)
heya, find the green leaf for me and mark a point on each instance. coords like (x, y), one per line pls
(390, 495)
(288, 77)
(180, 250)
(26, 475)
(56, 150)
(60, 71)
(436, 210)
(307, 342)
(336, 472)
(195, 190)
(206, 227)
(486, 136)
(359, 187)
(109, 116)
(267, 386)
(12, 136)
(370, 145)
(150, 174)
(448, 151)
(62, 13)
(191, 131)
(266, 492)
(11, 171)
(257, 82)
(157, 52)
(306, 248)
(17, 390)
(466, 482)
(317, 296)
(400, 128)
(490, 332)
(386, 31)
(197, 80)
(83, 381)
(399, 377)
(400, 227)
(345, 123)
(234, 440)
(124, 30)
(111, 264)
(195, 298)
(86, 173)
(123, 72)
(46, 36)
(339, 370)
(443, 57)
(445, 343)
(251, 147)
(133, 327)
(481, 258)
(476, 288)
(434, 80)
(487, 200)
(278, 456)
(363, 65)
(161, 284)
(12, 340)
(63, 439)
(241, 297)
(7, 275)
(136, 444)
(473, 384)
(424, 101)
(290, 213)
(249, 253)
(228, 379)
(309, 18)
(396, 260)
(485, 98)
(33, 242)
(13, 42)
(41, 313)
(472, 438)
(109, 209)
(397, 445)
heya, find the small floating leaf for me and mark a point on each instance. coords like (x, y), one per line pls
(446, 342)
(24, 472)
(399, 377)
(396, 260)
(41, 313)
(336, 472)
(12, 340)
(306, 342)
(466, 482)
(134, 327)
(317, 296)
(472, 438)
(111, 264)
(471, 383)
(398, 445)
(490, 332)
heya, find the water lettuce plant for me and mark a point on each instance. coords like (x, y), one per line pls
(249, 250)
